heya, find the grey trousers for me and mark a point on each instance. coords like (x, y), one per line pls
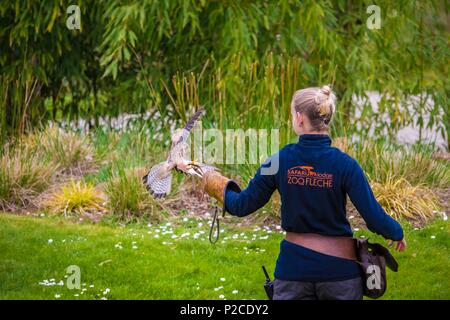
(351, 289)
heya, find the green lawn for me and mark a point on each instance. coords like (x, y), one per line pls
(185, 267)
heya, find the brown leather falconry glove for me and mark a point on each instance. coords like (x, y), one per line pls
(216, 186)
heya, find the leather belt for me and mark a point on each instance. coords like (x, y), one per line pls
(342, 247)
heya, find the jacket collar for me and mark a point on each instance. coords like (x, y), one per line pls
(314, 140)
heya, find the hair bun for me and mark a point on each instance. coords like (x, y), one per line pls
(325, 100)
(326, 90)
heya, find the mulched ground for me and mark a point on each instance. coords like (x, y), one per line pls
(191, 200)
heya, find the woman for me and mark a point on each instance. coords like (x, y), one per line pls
(317, 256)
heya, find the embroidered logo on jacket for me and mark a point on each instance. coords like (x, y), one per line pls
(306, 176)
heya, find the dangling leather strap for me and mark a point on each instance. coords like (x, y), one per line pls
(217, 186)
(214, 222)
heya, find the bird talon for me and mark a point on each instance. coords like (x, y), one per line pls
(178, 170)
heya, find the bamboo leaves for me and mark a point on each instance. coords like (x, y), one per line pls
(259, 53)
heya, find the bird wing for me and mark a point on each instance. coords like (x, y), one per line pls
(190, 124)
(161, 187)
(158, 180)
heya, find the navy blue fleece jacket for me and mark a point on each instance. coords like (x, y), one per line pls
(313, 180)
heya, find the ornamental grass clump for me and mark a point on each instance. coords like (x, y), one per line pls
(67, 150)
(402, 200)
(76, 198)
(127, 197)
(23, 175)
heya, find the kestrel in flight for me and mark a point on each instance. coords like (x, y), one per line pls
(158, 180)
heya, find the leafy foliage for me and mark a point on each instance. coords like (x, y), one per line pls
(231, 56)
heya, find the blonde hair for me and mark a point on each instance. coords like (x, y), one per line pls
(317, 103)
